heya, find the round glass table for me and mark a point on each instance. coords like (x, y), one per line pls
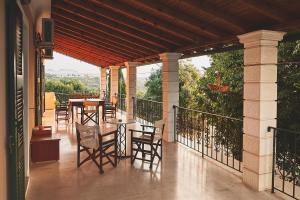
(121, 126)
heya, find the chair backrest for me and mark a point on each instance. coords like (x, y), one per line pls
(90, 106)
(159, 127)
(114, 100)
(87, 136)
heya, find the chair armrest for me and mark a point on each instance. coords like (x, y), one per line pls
(140, 131)
(147, 126)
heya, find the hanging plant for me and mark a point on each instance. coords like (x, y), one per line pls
(218, 86)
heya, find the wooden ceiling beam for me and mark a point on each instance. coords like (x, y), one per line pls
(194, 47)
(84, 48)
(86, 45)
(86, 54)
(108, 34)
(96, 35)
(233, 24)
(83, 55)
(79, 56)
(134, 24)
(266, 10)
(92, 42)
(105, 46)
(112, 26)
(183, 20)
(143, 17)
(106, 37)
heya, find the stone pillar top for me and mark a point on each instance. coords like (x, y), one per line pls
(261, 37)
(170, 56)
(131, 64)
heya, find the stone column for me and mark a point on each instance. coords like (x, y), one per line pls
(130, 87)
(114, 80)
(170, 89)
(260, 107)
(102, 81)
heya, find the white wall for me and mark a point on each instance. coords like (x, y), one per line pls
(3, 163)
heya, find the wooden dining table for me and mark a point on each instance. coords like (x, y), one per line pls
(79, 103)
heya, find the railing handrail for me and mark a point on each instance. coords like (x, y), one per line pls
(148, 100)
(85, 93)
(282, 129)
(216, 115)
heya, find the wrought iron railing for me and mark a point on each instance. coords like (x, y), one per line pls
(63, 98)
(121, 103)
(286, 162)
(147, 111)
(214, 136)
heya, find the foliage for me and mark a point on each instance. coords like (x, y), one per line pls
(154, 86)
(289, 86)
(188, 76)
(230, 66)
(122, 84)
(287, 146)
(188, 90)
(68, 86)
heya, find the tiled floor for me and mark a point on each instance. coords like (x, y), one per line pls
(183, 174)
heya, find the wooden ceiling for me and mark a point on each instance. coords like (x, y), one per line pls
(110, 32)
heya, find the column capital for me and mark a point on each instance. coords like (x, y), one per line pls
(170, 56)
(261, 37)
(114, 67)
(132, 64)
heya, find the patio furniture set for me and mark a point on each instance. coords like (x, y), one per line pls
(106, 143)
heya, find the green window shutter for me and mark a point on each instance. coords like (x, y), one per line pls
(15, 102)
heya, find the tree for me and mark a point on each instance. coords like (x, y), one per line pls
(230, 66)
(288, 111)
(154, 86)
(188, 75)
(122, 84)
(188, 90)
(68, 86)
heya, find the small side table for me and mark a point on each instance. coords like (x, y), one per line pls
(44, 149)
(43, 146)
(121, 126)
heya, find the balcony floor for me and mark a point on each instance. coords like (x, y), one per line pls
(183, 174)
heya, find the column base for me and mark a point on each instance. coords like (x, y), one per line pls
(258, 182)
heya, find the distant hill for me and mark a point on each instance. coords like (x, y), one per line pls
(68, 72)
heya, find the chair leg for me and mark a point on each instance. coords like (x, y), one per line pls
(116, 150)
(152, 156)
(143, 149)
(101, 157)
(78, 156)
(161, 150)
(131, 152)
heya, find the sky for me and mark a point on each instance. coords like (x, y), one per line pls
(62, 64)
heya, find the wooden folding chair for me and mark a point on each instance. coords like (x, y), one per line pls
(96, 145)
(87, 141)
(90, 112)
(147, 142)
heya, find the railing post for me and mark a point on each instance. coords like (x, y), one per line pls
(202, 136)
(274, 159)
(175, 123)
(134, 107)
